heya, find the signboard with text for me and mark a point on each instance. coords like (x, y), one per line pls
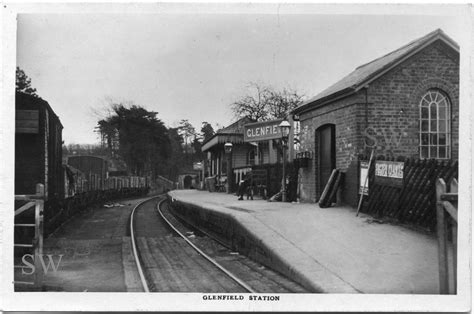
(389, 172)
(27, 121)
(262, 131)
(363, 181)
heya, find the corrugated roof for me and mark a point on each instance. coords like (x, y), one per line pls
(364, 73)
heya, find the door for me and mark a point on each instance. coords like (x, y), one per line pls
(188, 182)
(326, 155)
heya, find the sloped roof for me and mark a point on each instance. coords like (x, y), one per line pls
(368, 72)
(235, 128)
(233, 133)
(22, 99)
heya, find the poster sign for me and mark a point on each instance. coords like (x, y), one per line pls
(389, 172)
(262, 131)
(363, 172)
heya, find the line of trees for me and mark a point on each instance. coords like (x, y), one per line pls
(147, 146)
(136, 136)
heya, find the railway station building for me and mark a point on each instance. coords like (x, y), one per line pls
(253, 148)
(405, 103)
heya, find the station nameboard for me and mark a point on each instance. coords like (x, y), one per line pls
(389, 172)
(262, 131)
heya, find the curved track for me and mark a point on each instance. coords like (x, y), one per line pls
(171, 257)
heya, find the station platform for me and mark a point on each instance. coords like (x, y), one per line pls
(330, 250)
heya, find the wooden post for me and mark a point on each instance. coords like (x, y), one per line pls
(442, 238)
(38, 240)
(365, 182)
(454, 189)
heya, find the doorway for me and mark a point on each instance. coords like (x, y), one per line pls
(188, 182)
(326, 162)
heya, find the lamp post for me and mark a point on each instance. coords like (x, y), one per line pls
(285, 131)
(228, 152)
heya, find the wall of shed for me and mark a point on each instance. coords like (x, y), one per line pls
(395, 133)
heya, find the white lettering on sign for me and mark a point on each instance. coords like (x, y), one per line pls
(381, 169)
(389, 169)
(262, 131)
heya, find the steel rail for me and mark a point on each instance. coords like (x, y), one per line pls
(134, 247)
(210, 259)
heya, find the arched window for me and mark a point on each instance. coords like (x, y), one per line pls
(435, 125)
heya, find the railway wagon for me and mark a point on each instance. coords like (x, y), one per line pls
(94, 168)
(38, 147)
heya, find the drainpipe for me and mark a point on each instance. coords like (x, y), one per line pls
(366, 106)
(366, 88)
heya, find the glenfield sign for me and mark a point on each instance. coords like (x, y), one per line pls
(261, 131)
(389, 172)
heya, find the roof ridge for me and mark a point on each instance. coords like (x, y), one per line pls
(419, 40)
(368, 71)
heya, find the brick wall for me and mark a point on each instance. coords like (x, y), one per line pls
(386, 113)
(395, 97)
(347, 116)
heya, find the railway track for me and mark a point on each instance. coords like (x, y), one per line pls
(172, 257)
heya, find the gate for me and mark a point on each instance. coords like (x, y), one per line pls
(447, 216)
(26, 241)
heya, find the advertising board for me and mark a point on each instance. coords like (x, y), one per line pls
(389, 172)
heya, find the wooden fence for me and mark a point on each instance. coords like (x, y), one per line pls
(447, 219)
(414, 201)
(28, 235)
(274, 173)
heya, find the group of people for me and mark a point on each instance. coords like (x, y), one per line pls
(245, 186)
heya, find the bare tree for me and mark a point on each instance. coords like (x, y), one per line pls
(264, 103)
(281, 103)
(254, 105)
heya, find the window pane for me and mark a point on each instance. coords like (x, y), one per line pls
(442, 152)
(433, 152)
(442, 113)
(431, 97)
(424, 152)
(434, 139)
(424, 139)
(424, 113)
(433, 126)
(442, 126)
(424, 125)
(442, 139)
(433, 110)
(442, 103)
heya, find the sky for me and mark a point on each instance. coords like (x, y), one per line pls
(193, 66)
